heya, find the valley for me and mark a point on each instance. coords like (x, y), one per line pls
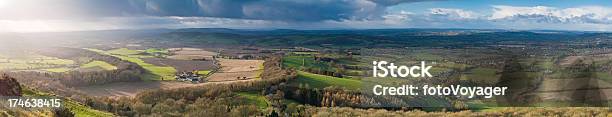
(262, 73)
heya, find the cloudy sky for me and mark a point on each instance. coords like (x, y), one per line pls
(82, 15)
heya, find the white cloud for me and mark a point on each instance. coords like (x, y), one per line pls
(3, 3)
(589, 14)
(397, 18)
(453, 14)
(51, 26)
(113, 23)
(211, 22)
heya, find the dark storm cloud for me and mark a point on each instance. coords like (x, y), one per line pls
(283, 10)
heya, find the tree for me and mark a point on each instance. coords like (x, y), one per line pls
(62, 112)
(273, 114)
(141, 108)
(244, 111)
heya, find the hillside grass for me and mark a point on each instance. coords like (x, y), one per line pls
(58, 70)
(156, 50)
(75, 107)
(124, 51)
(304, 62)
(101, 64)
(256, 99)
(157, 72)
(81, 110)
(322, 81)
(34, 62)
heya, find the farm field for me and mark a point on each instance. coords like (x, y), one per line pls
(322, 81)
(299, 62)
(57, 70)
(99, 64)
(124, 51)
(204, 72)
(157, 72)
(35, 62)
(233, 69)
(190, 54)
(182, 65)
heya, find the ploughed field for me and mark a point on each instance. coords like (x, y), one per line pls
(190, 54)
(233, 69)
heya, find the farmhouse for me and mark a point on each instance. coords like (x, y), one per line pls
(189, 77)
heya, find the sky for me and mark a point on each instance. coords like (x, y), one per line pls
(87, 15)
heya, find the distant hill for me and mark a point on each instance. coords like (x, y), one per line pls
(364, 38)
(201, 37)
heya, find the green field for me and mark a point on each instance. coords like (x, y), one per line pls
(58, 70)
(101, 64)
(304, 62)
(33, 62)
(322, 81)
(124, 51)
(203, 72)
(157, 52)
(481, 74)
(255, 99)
(157, 72)
(80, 110)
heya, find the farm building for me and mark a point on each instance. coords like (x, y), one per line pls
(189, 77)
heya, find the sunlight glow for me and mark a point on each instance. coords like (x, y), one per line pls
(2, 3)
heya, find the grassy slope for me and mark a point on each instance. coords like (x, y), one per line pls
(78, 109)
(309, 62)
(124, 51)
(58, 70)
(101, 64)
(322, 81)
(256, 99)
(156, 50)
